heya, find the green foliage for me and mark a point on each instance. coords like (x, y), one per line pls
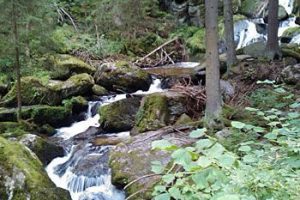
(253, 169)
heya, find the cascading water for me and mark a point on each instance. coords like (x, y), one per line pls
(246, 31)
(84, 171)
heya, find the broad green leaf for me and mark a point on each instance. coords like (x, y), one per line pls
(245, 148)
(259, 129)
(280, 90)
(163, 145)
(238, 125)
(251, 109)
(203, 144)
(226, 160)
(294, 115)
(164, 196)
(160, 188)
(200, 179)
(175, 193)
(266, 82)
(157, 167)
(168, 178)
(198, 133)
(182, 157)
(295, 105)
(228, 197)
(249, 158)
(274, 124)
(271, 136)
(204, 161)
(215, 151)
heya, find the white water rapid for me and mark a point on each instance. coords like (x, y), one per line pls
(249, 31)
(84, 171)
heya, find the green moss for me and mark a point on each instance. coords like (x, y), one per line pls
(196, 43)
(153, 113)
(20, 164)
(291, 32)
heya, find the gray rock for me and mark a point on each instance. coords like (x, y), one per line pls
(291, 74)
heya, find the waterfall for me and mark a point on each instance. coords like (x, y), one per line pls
(84, 171)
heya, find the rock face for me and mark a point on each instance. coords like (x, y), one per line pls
(53, 115)
(120, 115)
(65, 66)
(158, 110)
(122, 77)
(34, 91)
(99, 90)
(291, 74)
(45, 151)
(132, 160)
(19, 169)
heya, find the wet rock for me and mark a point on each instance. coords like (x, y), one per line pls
(291, 74)
(40, 114)
(99, 90)
(132, 159)
(45, 151)
(158, 110)
(120, 115)
(183, 120)
(20, 169)
(64, 66)
(122, 77)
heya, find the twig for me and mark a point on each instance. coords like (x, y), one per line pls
(71, 19)
(140, 178)
(142, 190)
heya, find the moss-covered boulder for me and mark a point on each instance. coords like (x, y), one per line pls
(122, 77)
(45, 150)
(291, 50)
(40, 114)
(99, 90)
(14, 129)
(80, 84)
(3, 85)
(64, 66)
(133, 159)
(33, 91)
(158, 110)
(120, 115)
(22, 175)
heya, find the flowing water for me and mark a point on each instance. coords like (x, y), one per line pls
(84, 171)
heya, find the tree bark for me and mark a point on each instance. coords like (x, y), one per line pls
(213, 102)
(272, 48)
(229, 34)
(17, 59)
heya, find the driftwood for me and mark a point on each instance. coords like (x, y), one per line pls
(161, 55)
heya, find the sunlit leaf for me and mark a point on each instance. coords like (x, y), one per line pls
(198, 133)
(238, 125)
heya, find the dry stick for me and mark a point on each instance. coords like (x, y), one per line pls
(168, 56)
(157, 49)
(140, 178)
(69, 16)
(142, 190)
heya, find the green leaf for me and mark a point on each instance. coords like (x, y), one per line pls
(204, 161)
(160, 188)
(198, 133)
(203, 144)
(175, 193)
(249, 158)
(164, 196)
(157, 167)
(215, 151)
(228, 197)
(226, 160)
(200, 179)
(280, 90)
(238, 125)
(182, 157)
(168, 178)
(251, 109)
(295, 105)
(294, 115)
(163, 145)
(271, 136)
(245, 148)
(259, 129)
(266, 82)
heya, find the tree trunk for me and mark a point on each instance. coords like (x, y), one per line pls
(229, 34)
(273, 24)
(213, 103)
(17, 59)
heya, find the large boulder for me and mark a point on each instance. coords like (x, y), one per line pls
(158, 110)
(45, 150)
(122, 77)
(132, 160)
(22, 175)
(291, 74)
(35, 91)
(64, 66)
(40, 114)
(120, 115)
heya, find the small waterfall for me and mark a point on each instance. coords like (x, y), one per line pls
(84, 171)
(288, 5)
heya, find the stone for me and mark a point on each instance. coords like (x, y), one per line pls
(291, 74)
(22, 175)
(122, 77)
(132, 159)
(119, 116)
(64, 66)
(99, 90)
(45, 150)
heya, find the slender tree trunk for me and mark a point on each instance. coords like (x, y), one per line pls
(17, 59)
(273, 24)
(213, 103)
(229, 34)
